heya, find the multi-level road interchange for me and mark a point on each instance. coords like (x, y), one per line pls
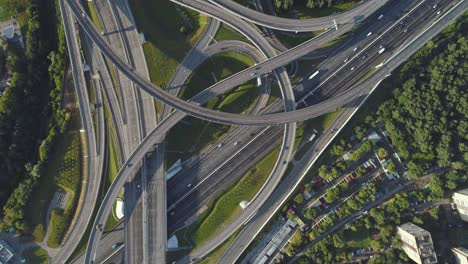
(272, 64)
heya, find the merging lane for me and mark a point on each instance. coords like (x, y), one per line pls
(293, 180)
(351, 16)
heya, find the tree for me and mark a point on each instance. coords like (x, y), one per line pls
(338, 150)
(378, 215)
(308, 187)
(331, 195)
(310, 213)
(436, 187)
(376, 244)
(391, 168)
(283, 4)
(382, 153)
(417, 220)
(299, 198)
(353, 204)
(327, 173)
(338, 241)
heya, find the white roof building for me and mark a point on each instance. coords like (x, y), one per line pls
(8, 32)
(6, 253)
(460, 198)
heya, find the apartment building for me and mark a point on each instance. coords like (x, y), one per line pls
(461, 255)
(417, 244)
(460, 198)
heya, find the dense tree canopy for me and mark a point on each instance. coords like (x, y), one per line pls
(428, 117)
(30, 109)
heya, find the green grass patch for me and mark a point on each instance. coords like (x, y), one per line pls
(226, 32)
(290, 40)
(216, 254)
(170, 31)
(227, 207)
(218, 67)
(236, 101)
(36, 255)
(67, 178)
(63, 171)
(173, 256)
(113, 162)
(39, 233)
(91, 10)
(335, 41)
(305, 13)
(112, 221)
(304, 132)
(357, 239)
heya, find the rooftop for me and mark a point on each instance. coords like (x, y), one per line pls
(461, 251)
(414, 229)
(463, 191)
(6, 253)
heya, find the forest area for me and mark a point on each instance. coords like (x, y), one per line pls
(31, 113)
(427, 118)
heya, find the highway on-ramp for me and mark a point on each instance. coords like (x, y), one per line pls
(292, 181)
(200, 112)
(351, 16)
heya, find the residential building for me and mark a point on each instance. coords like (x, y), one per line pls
(10, 31)
(6, 253)
(276, 243)
(461, 255)
(460, 198)
(417, 243)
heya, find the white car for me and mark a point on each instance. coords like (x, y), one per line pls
(236, 143)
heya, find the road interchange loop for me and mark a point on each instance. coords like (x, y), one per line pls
(165, 125)
(201, 112)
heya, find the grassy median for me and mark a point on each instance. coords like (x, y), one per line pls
(170, 31)
(227, 207)
(238, 100)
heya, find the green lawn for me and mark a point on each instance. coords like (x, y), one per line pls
(112, 221)
(227, 207)
(91, 10)
(161, 21)
(63, 171)
(214, 256)
(226, 32)
(179, 145)
(36, 255)
(113, 163)
(291, 40)
(67, 178)
(358, 239)
(305, 12)
(304, 132)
